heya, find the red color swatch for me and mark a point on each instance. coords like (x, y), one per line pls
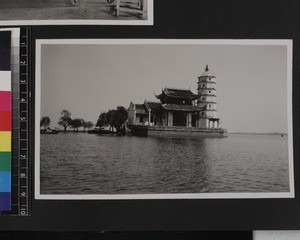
(5, 121)
(5, 101)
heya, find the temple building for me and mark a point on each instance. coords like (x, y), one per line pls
(179, 107)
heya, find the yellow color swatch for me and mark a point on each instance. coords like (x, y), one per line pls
(5, 141)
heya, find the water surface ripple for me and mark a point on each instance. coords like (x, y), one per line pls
(91, 164)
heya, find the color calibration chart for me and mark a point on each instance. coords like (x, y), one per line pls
(5, 121)
(14, 122)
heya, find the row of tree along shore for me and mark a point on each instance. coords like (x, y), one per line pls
(114, 120)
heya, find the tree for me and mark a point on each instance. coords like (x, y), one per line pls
(118, 118)
(87, 124)
(102, 120)
(65, 119)
(45, 122)
(110, 115)
(75, 124)
(115, 118)
(122, 117)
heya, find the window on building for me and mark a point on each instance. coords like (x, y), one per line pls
(209, 105)
(203, 85)
(141, 119)
(203, 99)
(209, 91)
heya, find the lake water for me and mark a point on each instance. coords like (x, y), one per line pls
(91, 164)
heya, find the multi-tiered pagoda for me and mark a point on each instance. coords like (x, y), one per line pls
(208, 100)
(179, 110)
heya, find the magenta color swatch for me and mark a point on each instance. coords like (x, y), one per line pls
(5, 101)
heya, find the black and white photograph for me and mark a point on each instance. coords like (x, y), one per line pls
(163, 119)
(70, 12)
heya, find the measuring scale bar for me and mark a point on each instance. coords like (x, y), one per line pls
(20, 155)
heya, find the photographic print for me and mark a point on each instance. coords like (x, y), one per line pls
(68, 12)
(163, 119)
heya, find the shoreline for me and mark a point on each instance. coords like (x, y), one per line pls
(114, 133)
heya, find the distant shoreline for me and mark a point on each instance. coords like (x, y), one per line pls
(285, 134)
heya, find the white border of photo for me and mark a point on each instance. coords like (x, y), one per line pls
(240, 195)
(276, 235)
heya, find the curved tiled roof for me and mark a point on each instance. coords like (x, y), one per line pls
(178, 93)
(140, 109)
(152, 105)
(186, 108)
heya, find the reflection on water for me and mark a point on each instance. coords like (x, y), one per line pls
(91, 164)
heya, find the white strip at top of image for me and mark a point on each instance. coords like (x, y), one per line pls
(242, 42)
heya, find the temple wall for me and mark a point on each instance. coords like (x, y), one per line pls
(144, 119)
(211, 106)
(185, 132)
(164, 119)
(211, 114)
(203, 123)
(207, 85)
(207, 91)
(208, 99)
(189, 120)
(170, 118)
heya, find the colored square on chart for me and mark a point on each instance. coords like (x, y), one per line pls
(5, 161)
(5, 201)
(5, 141)
(5, 101)
(5, 182)
(5, 50)
(5, 39)
(5, 121)
(5, 63)
(5, 80)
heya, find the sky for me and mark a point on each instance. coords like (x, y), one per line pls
(88, 79)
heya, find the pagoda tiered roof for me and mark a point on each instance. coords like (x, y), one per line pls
(206, 88)
(207, 73)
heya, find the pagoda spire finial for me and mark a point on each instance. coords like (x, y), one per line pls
(206, 68)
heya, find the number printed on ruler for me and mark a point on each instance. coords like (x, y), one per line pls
(24, 125)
